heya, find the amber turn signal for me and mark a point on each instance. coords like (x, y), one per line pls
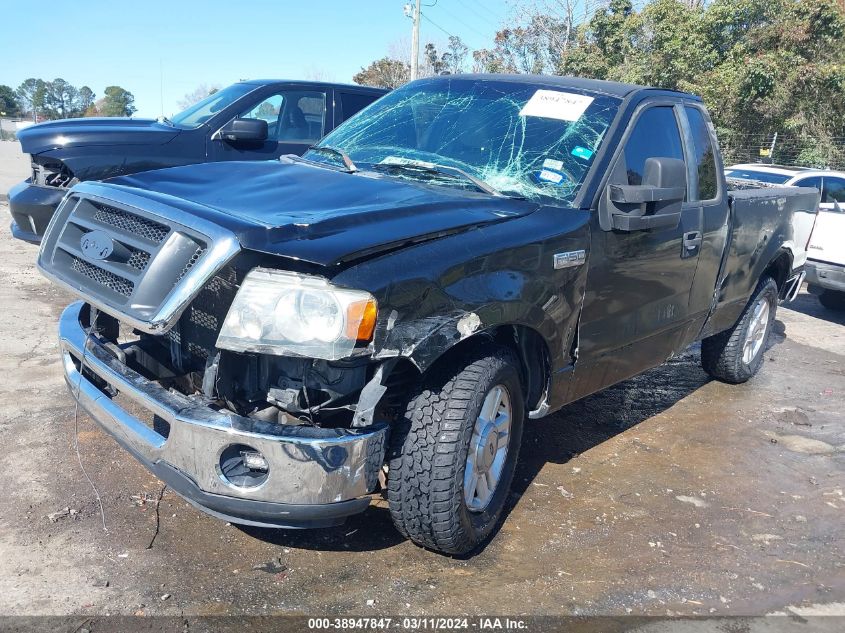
(361, 320)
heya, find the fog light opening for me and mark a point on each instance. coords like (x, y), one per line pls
(243, 466)
(255, 461)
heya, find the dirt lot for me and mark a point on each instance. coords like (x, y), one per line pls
(666, 494)
(14, 166)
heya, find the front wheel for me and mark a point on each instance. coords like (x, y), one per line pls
(453, 456)
(735, 355)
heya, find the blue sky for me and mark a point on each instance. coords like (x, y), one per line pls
(105, 42)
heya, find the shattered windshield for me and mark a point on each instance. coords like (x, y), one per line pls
(519, 140)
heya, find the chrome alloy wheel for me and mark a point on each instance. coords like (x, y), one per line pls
(488, 449)
(756, 335)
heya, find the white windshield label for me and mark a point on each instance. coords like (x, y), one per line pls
(551, 104)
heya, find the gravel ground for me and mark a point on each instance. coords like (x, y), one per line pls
(14, 167)
(668, 493)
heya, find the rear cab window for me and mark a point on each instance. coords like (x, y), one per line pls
(353, 102)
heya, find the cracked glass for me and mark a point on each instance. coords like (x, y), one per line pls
(475, 134)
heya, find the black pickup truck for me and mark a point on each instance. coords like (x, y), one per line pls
(278, 340)
(250, 120)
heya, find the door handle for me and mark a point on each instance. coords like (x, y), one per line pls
(692, 240)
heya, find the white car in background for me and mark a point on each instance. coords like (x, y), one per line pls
(825, 266)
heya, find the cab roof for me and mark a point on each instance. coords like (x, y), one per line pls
(306, 82)
(611, 88)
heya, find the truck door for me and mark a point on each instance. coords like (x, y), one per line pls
(296, 119)
(636, 307)
(706, 190)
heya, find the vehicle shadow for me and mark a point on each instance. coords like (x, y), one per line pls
(554, 439)
(586, 423)
(366, 532)
(808, 304)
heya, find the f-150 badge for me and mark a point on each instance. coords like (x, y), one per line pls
(570, 258)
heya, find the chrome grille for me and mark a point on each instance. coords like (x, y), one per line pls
(135, 258)
(135, 224)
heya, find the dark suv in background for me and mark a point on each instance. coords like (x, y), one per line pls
(249, 120)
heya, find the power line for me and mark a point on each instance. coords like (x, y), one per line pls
(499, 19)
(433, 23)
(469, 26)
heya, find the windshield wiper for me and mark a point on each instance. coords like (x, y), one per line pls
(439, 170)
(350, 166)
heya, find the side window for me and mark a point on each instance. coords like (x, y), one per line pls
(307, 117)
(353, 102)
(834, 190)
(705, 160)
(269, 110)
(292, 115)
(815, 182)
(655, 134)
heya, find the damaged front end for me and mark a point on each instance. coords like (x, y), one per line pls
(33, 201)
(251, 437)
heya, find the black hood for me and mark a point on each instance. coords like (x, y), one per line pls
(318, 214)
(94, 131)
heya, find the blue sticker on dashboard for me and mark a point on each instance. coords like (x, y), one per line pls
(582, 152)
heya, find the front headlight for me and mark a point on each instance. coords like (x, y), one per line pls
(280, 313)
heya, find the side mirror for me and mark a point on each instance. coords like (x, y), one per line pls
(837, 207)
(656, 203)
(244, 130)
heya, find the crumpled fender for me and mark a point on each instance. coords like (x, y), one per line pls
(423, 340)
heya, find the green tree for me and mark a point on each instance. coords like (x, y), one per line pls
(9, 105)
(31, 95)
(60, 99)
(117, 101)
(434, 63)
(384, 73)
(86, 98)
(454, 59)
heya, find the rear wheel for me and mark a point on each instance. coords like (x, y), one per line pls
(832, 299)
(735, 355)
(453, 457)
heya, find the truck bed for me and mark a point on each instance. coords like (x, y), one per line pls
(762, 221)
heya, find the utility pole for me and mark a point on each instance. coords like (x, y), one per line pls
(414, 14)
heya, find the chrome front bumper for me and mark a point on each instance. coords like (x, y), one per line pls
(315, 477)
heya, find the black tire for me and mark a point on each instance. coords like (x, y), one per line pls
(722, 354)
(429, 448)
(832, 300)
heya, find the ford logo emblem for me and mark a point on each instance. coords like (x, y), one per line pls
(96, 245)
